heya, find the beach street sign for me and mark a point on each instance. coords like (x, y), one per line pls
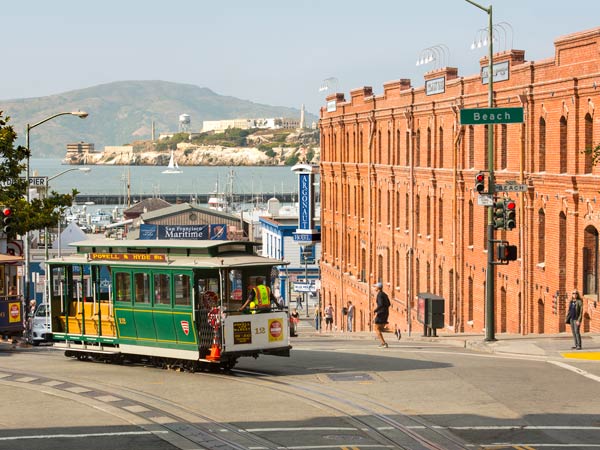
(511, 187)
(482, 116)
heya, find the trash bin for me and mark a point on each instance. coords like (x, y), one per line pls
(430, 312)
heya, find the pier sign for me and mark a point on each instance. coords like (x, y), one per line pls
(483, 116)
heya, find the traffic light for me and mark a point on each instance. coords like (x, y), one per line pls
(507, 252)
(6, 219)
(510, 214)
(480, 182)
(498, 213)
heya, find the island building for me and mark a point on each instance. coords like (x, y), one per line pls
(399, 204)
(273, 123)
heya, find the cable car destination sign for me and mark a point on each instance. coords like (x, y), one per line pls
(483, 116)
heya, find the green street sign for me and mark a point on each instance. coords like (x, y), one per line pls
(482, 116)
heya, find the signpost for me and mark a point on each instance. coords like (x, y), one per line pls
(483, 116)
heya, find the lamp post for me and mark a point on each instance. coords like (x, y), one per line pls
(489, 283)
(81, 115)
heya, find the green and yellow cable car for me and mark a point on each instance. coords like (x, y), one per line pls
(167, 302)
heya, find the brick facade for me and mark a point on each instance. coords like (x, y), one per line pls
(398, 201)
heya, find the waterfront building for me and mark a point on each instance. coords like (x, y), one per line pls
(398, 201)
(303, 268)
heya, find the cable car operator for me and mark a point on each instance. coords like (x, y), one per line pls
(261, 296)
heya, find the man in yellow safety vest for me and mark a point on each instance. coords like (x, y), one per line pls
(261, 296)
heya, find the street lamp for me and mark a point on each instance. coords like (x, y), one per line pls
(81, 115)
(489, 283)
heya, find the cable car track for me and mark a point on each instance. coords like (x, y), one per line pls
(154, 412)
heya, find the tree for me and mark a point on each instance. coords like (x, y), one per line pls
(37, 214)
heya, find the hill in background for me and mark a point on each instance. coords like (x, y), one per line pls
(123, 111)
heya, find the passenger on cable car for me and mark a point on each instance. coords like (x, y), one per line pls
(261, 296)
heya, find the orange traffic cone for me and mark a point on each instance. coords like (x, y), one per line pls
(215, 353)
(215, 350)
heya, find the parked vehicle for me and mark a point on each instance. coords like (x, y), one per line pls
(40, 326)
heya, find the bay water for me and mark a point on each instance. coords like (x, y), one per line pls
(110, 179)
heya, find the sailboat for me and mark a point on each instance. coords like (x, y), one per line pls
(172, 167)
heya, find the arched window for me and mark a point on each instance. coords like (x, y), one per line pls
(503, 146)
(440, 291)
(440, 218)
(590, 261)
(441, 147)
(502, 316)
(428, 228)
(389, 147)
(470, 301)
(407, 149)
(418, 214)
(428, 277)
(542, 146)
(562, 250)
(397, 153)
(428, 147)
(471, 161)
(563, 145)
(418, 149)
(541, 236)
(470, 223)
(406, 211)
(589, 143)
(360, 147)
(379, 154)
(540, 316)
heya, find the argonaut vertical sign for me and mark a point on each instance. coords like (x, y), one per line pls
(304, 198)
(306, 233)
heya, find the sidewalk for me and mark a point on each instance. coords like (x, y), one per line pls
(546, 345)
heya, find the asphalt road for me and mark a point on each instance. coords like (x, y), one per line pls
(321, 397)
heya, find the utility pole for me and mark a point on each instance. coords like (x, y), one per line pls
(491, 267)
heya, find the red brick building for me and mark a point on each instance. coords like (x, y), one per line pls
(398, 203)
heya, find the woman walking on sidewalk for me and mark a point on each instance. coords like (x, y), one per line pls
(574, 317)
(381, 313)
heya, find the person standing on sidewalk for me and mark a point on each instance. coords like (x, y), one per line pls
(350, 317)
(382, 312)
(328, 313)
(574, 316)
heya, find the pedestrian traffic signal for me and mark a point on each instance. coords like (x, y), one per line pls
(6, 220)
(498, 213)
(480, 182)
(507, 252)
(510, 214)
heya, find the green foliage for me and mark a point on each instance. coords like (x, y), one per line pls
(292, 160)
(232, 137)
(310, 154)
(39, 213)
(595, 152)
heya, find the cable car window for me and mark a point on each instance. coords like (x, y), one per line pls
(123, 282)
(182, 290)
(235, 285)
(141, 282)
(162, 289)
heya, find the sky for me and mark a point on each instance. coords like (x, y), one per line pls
(276, 52)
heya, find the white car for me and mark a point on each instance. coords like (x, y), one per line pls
(40, 328)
